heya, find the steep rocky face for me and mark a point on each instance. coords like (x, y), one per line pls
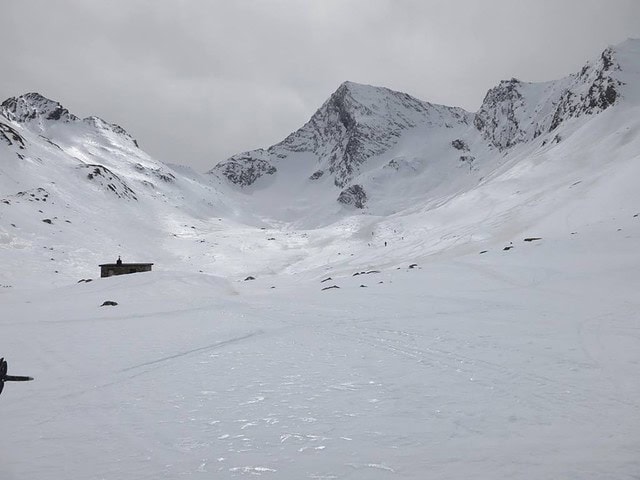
(358, 122)
(514, 112)
(33, 106)
(244, 170)
(353, 195)
(10, 136)
(498, 117)
(593, 90)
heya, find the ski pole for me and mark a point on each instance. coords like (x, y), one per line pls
(9, 378)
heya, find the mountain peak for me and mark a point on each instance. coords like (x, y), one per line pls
(357, 123)
(37, 110)
(34, 106)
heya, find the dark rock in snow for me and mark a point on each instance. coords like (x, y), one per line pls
(109, 303)
(32, 106)
(249, 278)
(243, 170)
(11, 136)
(459, 144)
(329, 288)
(353, 195)
(532, 239)
(108, 180)
(468, 160)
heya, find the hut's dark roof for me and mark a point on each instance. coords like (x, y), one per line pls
(124, 264)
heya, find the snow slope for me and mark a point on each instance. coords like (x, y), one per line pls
(474, 318)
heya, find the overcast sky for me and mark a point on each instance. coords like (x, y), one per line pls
(197, 81)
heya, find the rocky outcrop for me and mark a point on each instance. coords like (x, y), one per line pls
(459, 144)
(593, 90)
(354, 196)
(11, 136)
(514, 112)
(243, 170)
(499, 116)
(33, 106)
(108, 181)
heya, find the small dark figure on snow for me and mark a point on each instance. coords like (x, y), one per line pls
(9, 378)
(118, 262)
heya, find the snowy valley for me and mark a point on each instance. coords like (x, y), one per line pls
(398, 289)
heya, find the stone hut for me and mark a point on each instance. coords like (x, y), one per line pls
(119, 268)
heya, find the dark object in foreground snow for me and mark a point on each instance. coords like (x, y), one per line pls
(109, 303)
(249, 278)
(483, 251)
(413, 265)
(508, 247)
(532, 239)
(326, 280)
(329, 288)
(9, 378)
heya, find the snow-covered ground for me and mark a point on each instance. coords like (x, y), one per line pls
(510, 364)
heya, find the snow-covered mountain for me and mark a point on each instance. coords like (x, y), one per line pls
(82, 188)
(385, 151)
(360, 137)
(369, 160)
(356, 123)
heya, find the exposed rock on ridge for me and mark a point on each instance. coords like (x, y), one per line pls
(37, 111)
(514, 112)
(33, 106)
(353, 195)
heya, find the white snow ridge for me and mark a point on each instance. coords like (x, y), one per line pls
(396, 290)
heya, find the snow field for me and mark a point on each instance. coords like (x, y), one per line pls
(518, 364)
